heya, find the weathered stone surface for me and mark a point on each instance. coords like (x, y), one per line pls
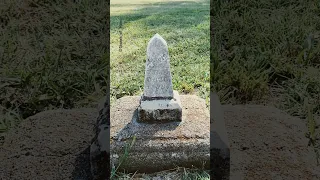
(159, 103)
(157, 81)
(161, 110)
(49, 145)
(265, 143)
(161, 146)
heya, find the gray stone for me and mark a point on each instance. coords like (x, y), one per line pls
(161, 110)
(159, 103)
(266, 143)
(160, 146)
(157, 82)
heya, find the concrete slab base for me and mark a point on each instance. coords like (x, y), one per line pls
(159, 111)
(160, 146)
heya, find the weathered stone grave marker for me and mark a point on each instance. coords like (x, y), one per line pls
(159, 103)
(158, 146)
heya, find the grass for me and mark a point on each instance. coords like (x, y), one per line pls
(185, 27)
(177, 173)
(50, 58)
(122, 159)
(54, 53)
(267, 52)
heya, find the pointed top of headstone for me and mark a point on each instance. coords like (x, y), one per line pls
(159, 102)
(158, 83)
(157, 41)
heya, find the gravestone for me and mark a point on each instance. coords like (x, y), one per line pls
(159, 103)
(151, 124)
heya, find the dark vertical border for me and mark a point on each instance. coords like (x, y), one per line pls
(211, 84)
(108, 94)
(108, 88)
(100, 145)
(219, 143)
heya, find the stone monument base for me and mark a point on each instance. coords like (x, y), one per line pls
(160, 110)
(160, 146)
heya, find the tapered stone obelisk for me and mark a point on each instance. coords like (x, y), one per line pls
(159, 103)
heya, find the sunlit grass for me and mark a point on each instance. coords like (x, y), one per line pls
(50, 58)
(185, 27)
(119, 7)
(267, 52)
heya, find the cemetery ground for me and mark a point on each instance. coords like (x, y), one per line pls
(267, 52)
(53, 58)
(185, 27)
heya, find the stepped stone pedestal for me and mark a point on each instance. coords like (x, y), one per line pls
(168, 130)
(160, 130)
(159, 103)
(160, 146)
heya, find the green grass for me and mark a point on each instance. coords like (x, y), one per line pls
(56, 58)
(114, 170)
(177, 173)
(268, 52)
(262, 51)
(50, 58)
(185, 27)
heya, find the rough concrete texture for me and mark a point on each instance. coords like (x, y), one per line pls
(264, 141)
(160, 146)
(49, 145)
(160, 110)
(267, 143)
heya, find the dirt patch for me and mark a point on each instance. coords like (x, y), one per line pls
(265, 144)
(50, 145)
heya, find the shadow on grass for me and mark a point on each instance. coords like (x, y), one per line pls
(185, 27)
(173, 15)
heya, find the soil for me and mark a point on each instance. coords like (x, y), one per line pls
(49, 145)
(265, 144)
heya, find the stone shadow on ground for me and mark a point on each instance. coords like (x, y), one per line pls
(156, 142)
(82, 166)
(135, 127)
(152, 14)
(219, 166)
(100, 145)
(219, 141)
(144, 132)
